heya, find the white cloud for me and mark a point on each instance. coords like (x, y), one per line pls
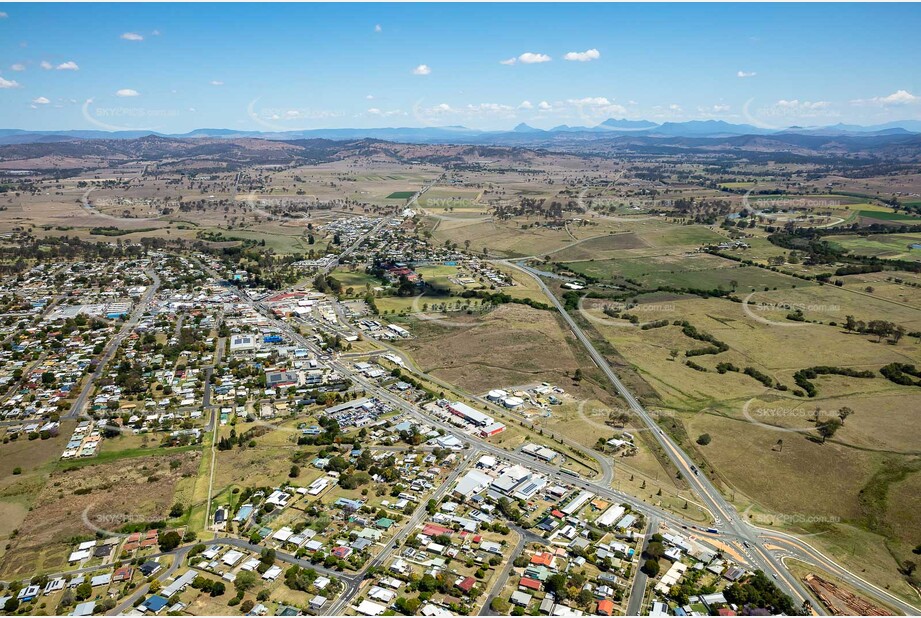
(8, 83)
(3, 15)
(509, 61)
(525, 105)
(132, 36)
(744, 74)
(127, 92)
(532, 58)
(374, 111)
(70, 65)
(586, 56)
(899, 97)
(796, 104)
(41, 101)
(422, 69)
(18, 67)
(544, 106)
(597, 106)
(215, 82)
(46, 65)
(674, 107)
(155, 33)
(370, 97)
(377, 28)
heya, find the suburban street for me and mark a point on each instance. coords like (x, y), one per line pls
(77, 410)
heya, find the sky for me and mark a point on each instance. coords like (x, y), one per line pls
(274, 67)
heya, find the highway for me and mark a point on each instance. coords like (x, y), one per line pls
(733, 529)
(725, 515)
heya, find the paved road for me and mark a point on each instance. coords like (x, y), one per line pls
(178, 558)
(640, 579)
(524, 537)
(418, 515)
(732, 527)
(76, 410)
(723, 512)
(603, 462)
(355, 245)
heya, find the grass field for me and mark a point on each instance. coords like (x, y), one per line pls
(513, 344)
(887, 215)
(401, 195)
(700, 271)
(890, 246)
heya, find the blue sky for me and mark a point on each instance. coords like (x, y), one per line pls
(177, 67)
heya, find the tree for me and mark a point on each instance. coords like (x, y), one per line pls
(244, 581)
(84, 591)
(498, 604)
(294, 472)
(177, 510)
(407, 607)
(703, 439)
(170, 541)
(247, 606)
(11, 605)
(843, 413)
(880, 328)
(828, 428)
(651, 567)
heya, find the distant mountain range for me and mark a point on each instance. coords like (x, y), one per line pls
(521, 134)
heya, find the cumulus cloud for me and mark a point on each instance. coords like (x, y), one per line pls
(18, 67)
(899, 97)
(46, 65)
(532, 58)
(132, 36)
(127, 92)
(675, 107)
(8, 83)
(597, 106)
(216, 82)
(3, 15)
(744, 74)
(374, 111)
(525, 105)
(41, 101)
(586, 56)
(796, 104)
(422, 69)
(377, 28)
(544, 106)
(70, 65)
(509, 61)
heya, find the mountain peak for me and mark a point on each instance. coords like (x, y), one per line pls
(525, 128)
(623, 123)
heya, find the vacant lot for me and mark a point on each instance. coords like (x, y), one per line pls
(128, 490)
(513, 344)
